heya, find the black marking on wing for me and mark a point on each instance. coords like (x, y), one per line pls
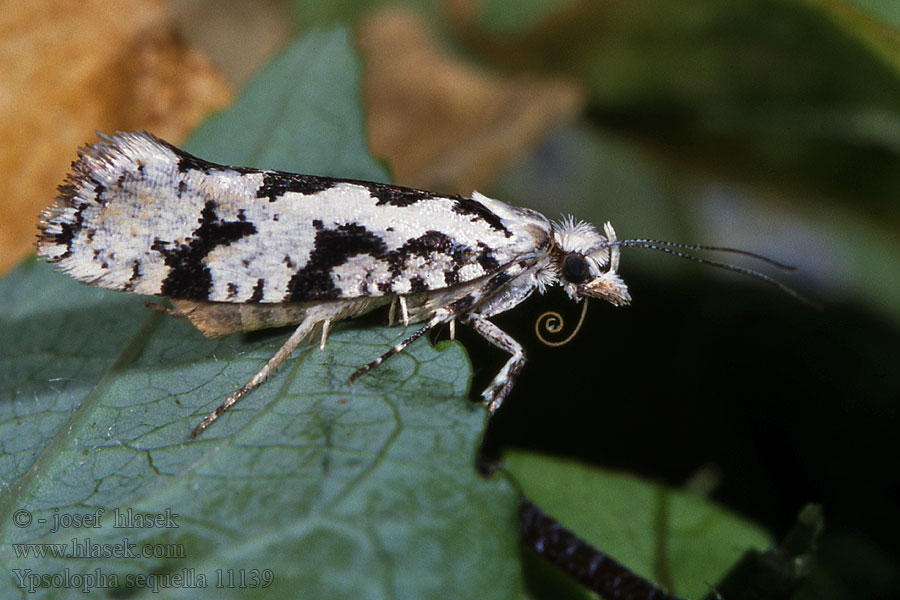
(258, 291)
(333, 247)
(395, 195)
(189, 162)
(486, 258)
(232, 290)
(68, 191)
(103, 264)
(68, 229)
(189, 278)
(434, 242)
(277, 183)
(427, 244)
(135, 277)
(468, 206)
(451, 277)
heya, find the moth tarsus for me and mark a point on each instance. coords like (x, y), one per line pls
(239, 249)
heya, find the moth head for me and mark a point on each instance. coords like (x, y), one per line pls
(587, 262)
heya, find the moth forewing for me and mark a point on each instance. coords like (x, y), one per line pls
(137, 214)
(239, 249)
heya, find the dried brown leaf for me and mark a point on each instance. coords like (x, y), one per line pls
(70, 68)
(443, 124)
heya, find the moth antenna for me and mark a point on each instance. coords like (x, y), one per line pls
(646, 243)
(553, 322)
(663, 246)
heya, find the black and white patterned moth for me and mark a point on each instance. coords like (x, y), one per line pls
(238, 249)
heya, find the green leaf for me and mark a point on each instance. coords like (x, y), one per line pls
(675, 539)
(776, 573)
(364, 491)
(301, 113)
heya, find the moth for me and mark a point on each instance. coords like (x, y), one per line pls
(238, 249)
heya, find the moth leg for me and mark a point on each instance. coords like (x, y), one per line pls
(453, 328)
(404, 311)
(303, 330)
(399, 347)
(326, 324)
(500, 387)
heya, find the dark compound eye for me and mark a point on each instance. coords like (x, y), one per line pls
(575, 268)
